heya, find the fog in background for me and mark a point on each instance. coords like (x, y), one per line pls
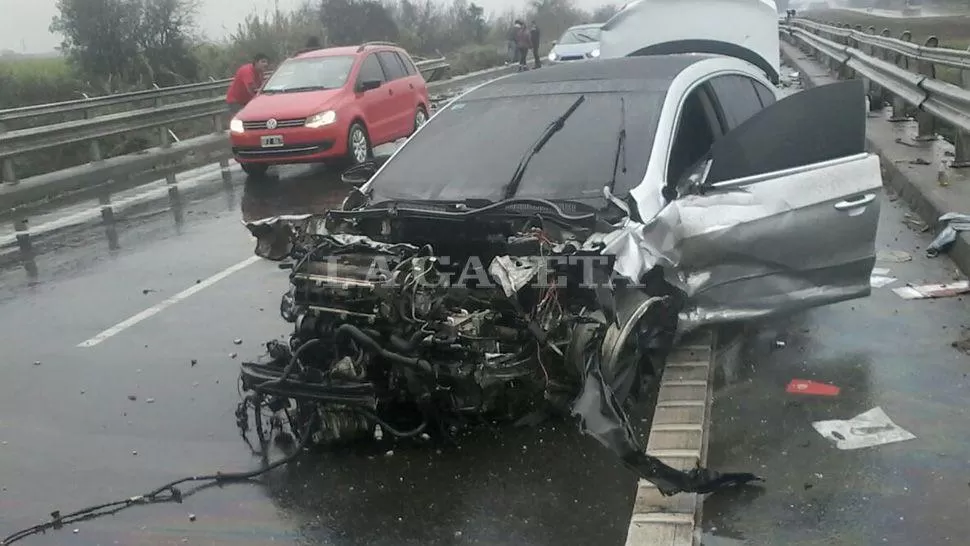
(24, 24)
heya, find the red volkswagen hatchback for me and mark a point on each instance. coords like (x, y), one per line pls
(330, 104)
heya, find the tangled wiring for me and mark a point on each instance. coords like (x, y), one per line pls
(169, 492)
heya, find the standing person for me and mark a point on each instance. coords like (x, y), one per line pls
(312, 44)
(534, 37)
(246, 82)
(523, 44)
(510, 45)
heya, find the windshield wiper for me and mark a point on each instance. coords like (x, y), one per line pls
(295, 89)
(553, 128)
(620, 145)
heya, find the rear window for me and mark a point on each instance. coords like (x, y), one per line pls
(309, 74)
(580, 35)
(392, 65)
(472, 147)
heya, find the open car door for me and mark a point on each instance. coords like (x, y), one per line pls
(785, 211)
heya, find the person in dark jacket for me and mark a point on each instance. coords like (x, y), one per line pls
(312, 44)
(523, 43)
(534, 37)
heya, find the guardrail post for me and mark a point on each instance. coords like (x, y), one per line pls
(885, 96)
(108, 219)
(7, 171)
(927, 123)
(23, 235)
(902, 61)
(962, 144)
(95, 149)
(873, 91)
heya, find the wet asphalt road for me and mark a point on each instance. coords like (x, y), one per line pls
(881, 351)
(71, 436)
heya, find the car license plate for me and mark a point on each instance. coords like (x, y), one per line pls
(275, 141)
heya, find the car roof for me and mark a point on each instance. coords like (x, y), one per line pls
(648, 73)
(346, 50)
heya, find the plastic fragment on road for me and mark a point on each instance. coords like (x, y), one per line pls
(879, 281)
(953, 223)
(880, 277)
(805, 386)
(893, 256)
(926, 291)
(869, 429)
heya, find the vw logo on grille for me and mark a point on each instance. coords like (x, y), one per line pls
(271, 124)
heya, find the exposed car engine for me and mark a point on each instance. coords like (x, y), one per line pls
(408, 324)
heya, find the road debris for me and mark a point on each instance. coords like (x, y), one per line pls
(132, 397)
(879, 281)
(237, 342)
(893, 256)
(963, 344)
(806, 386)
(915, 222)
(191, 517)
(868, 429)
(194, 362)
(926, 291)
(953, 223)
(149, 400)
(37, 363)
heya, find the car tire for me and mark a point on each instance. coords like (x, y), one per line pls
(358, 144)
(255, 170)
(420, 118)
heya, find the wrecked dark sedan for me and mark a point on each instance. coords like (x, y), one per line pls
(541, 243)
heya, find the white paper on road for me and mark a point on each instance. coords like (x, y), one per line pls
(933, 290)
(868, 429)
(878, 281)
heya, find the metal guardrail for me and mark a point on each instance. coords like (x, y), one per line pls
(431, 69)
(43, 135)
(897, 70)
(163, 161)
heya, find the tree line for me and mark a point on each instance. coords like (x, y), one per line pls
(118, 44)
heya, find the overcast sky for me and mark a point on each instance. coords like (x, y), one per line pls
(23, 24)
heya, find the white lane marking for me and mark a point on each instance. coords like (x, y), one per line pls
(155, 309)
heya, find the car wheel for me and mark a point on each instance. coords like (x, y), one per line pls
(420, 118)
(358, 145)
(254, 169)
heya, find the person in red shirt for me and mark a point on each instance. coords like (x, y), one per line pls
(245, 84)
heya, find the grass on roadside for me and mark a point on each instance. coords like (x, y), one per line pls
(26, 81)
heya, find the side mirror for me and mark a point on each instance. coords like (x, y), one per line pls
(358, 175)
(367, 85)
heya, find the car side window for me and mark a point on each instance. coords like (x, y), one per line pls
(737, 98)
(408, 65)
(371, 69)
(392, 65)
(766, 95)
(694, 135)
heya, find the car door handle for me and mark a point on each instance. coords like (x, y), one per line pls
(859, 202)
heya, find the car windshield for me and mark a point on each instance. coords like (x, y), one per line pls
(470, 150)
(580, 36)
(309, 74)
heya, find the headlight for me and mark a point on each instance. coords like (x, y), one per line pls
(236, 126)
(320, 120)
(595, 53)
(552, 56)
